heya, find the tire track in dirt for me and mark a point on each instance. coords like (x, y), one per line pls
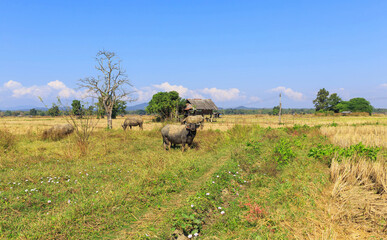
(156, 216)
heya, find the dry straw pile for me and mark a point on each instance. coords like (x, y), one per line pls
(359, 196)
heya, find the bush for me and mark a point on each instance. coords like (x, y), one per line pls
(329, 151)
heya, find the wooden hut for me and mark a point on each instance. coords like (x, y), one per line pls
(200, 107)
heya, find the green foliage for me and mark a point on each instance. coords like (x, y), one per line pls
(355, 105)
(76, 108)
(54, 110)
(165, 104)
(325, 102)
(321, 101)
(276, 110)
(329, 151)
(33, 112)
(333, 101)
(283, 152)
(118, 108)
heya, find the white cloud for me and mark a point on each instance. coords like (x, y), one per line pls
(221, 95)
(52, 89)
(290, 93)
(12, 84)
(384, 85)
(183, 91)
(57, 85)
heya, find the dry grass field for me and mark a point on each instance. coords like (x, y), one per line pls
(128, 187)
(341, 130)
(21, 125)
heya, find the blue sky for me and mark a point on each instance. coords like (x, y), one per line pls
(235, 52)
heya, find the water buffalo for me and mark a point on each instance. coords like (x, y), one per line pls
(58, 131)
(132, 121)
(197, 119)
(178, 134)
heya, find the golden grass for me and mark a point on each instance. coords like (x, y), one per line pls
(23, 125)
(344, 136)
(359, 199)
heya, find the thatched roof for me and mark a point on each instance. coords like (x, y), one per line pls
(201, 104)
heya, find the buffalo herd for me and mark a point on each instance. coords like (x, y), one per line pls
(172, 134)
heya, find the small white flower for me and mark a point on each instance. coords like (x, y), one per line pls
(41, 182)
(244, 181)
(96, 192)
(208, 194)
(26, 190)
(217, 175)
(234, 175)
(190, 236)
(11, 187)
(69, 201)
(222, 212)
(49, 201)
(219, 207)
(196, 234)
(192, 205)
(236, 172)
(213, 182)
(229, 172)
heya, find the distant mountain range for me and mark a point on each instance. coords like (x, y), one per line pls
(23, 108)
(140, 106)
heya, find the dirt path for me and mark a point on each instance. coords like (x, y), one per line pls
(154, 219)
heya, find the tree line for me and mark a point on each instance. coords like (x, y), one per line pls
(326, 102)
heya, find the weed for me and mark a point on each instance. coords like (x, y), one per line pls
(283, 152)
(255, 212)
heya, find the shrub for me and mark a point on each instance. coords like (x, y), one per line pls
(327, 152)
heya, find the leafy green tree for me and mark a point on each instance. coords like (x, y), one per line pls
(76, 108)
(33, 112)
(276, 110)
(165, 104)
(333, 100)
(54, 110)
(321, 101)
(8, 113)
(118, 108)
(360, 105)
(355, 105)
(343, 106)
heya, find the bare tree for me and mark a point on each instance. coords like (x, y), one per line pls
(112, 85)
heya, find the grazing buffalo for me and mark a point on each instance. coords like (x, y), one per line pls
(197, 119)
(132, 121)
(58, 131)
(179, 134)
